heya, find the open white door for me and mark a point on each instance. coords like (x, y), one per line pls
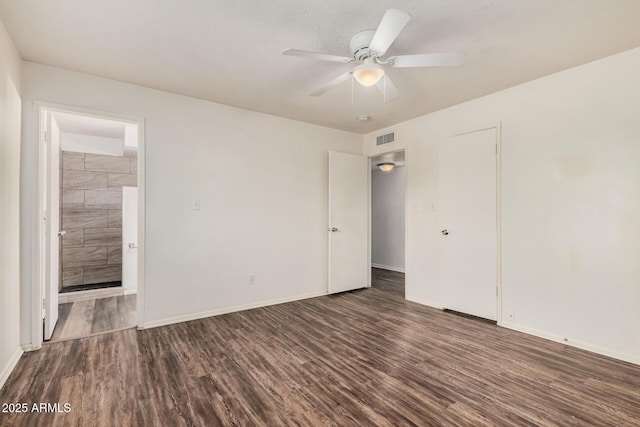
(130, 239)
(348, 221)
(51, 224)
(468, 223)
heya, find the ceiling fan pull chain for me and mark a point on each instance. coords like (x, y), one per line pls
(384, 91)
(352, 99)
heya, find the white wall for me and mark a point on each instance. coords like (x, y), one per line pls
(387, 218)
(570, 202)
(10, 111)
(93, 144)
(262, 182)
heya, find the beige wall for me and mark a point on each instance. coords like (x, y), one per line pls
(570, 202)
(10, 111)
(262, 182)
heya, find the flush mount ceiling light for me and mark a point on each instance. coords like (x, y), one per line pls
(369, 73)
(386, 167)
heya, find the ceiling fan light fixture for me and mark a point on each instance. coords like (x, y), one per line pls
(369, 46)
(386, 167)
(368, 74)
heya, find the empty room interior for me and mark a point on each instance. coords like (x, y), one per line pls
(320, 212)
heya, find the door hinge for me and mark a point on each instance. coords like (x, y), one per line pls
(46, 136)
(496, 291)
(496, 148)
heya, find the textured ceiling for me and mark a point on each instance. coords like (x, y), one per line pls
(229, 51)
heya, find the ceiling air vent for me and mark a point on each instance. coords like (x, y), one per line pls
(385, 139)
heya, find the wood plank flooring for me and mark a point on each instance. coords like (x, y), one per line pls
(365, 357)
(85, 318)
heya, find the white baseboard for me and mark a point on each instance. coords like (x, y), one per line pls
(635, 359)
(6, 371)
(388, 267)
(423, 302)
(90, 294)
(219, 311)
(28, 347)
(130, 291)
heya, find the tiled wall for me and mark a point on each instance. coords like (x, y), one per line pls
(91, 214)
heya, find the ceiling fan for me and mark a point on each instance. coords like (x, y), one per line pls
(368, 48)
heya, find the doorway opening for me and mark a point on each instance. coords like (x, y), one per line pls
(388, 187)
(89, 264)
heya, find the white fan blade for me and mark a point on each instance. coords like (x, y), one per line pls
(390, 27)
(427, 60)
(316, 55)
(335, 82)
(387, 88)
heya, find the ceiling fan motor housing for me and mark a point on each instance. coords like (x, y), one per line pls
(359, 45)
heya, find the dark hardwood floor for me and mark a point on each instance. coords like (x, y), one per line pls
(389, 281)
(366, 357)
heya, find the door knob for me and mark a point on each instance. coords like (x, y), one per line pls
(333, 229)
(62, 233)
(445, 231)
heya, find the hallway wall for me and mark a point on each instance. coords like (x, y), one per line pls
(387, 218)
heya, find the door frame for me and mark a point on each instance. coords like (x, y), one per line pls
(330, 225)
(406, 210)
(49, 233)
(471, 129)
(36, 286)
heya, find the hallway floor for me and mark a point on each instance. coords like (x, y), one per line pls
(96, 316)
(389, 281)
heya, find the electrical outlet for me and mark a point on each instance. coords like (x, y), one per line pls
(252, 279)
(511, 315)
(196, 204)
